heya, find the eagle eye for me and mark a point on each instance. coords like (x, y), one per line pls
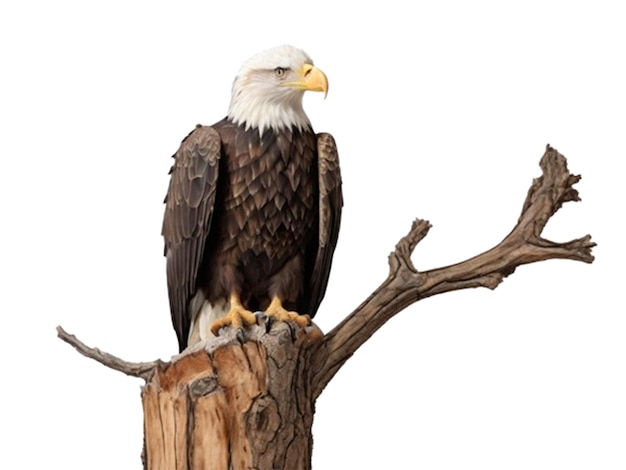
(279, 71)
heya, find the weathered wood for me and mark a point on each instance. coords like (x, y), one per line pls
(227, 405)
(406, 285)
(231, 405)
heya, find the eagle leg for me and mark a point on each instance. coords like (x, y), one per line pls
(276, 311)
(238, 316)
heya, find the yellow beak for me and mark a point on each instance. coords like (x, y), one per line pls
(310, 78)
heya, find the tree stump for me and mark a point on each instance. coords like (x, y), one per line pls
(229, 405)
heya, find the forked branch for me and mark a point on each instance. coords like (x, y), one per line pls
(406, 285)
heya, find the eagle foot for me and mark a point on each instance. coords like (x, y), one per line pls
(276, 312)
(291, 318)
(237, 317)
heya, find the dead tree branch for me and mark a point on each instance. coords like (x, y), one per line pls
(144, 370)
(405, 284)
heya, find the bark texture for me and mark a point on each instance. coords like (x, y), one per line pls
(229, 404)
(232, 405)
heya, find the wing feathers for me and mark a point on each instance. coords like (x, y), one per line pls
(188, 212)
(330, 205)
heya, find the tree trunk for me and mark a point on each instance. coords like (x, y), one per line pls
(233, 406)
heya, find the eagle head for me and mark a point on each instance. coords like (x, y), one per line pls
(267, 92)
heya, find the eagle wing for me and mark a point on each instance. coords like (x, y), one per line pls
(330, 204)
(189, 208)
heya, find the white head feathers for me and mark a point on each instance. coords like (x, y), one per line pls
(267, 92)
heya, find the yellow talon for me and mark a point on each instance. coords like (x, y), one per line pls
(278, 312)
(238, 316)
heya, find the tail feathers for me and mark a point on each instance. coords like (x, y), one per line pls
(206, 315)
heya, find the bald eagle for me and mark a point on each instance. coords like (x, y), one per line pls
(254, 204)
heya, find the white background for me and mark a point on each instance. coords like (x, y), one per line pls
(441, 110)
